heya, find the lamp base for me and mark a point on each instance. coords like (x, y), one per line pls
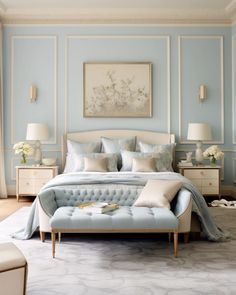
(198, 153)
(38, 153)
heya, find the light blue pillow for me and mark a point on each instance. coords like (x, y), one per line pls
(167, 151)
(115, 145)
(111, 161)
(163, 160)
(155, 148)
(75, 147)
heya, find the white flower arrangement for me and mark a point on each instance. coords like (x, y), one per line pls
(24, 149)
(214, 153)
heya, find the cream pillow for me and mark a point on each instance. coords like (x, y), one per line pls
(158, 193)
(143, 165)
(95, 165)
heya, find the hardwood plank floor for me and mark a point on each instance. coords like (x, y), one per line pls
(10, 205)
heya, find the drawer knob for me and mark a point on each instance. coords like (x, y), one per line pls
(27, 183)
(210, 183)
(202, 173)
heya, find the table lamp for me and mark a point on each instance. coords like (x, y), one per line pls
(37, 132)
(199, 132)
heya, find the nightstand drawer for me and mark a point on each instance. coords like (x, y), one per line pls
(39, 183)
(210, 182)
(200, 173)
(196, 181)
(26, 186)
(33, 173)
(210, 190)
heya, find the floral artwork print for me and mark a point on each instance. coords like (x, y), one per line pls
(114, 91)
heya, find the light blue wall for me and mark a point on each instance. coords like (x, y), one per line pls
(51, 57)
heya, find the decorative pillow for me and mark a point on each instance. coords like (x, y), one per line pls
(111, 161)
(166, 150)
(163, 160)
(158, 193)
(75, 147)
(144, 165)
(96, 165)
(111, 145)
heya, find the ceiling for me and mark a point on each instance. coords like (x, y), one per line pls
(119, 11)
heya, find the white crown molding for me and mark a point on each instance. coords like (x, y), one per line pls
(54, 38)
(126, 21)
(115, 13)
(166, 37)
(220, 37)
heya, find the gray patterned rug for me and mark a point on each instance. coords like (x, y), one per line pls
(132, 265)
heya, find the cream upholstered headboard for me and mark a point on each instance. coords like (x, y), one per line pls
(94, 135)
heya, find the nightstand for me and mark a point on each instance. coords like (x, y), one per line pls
(206, 178)
(30, 179)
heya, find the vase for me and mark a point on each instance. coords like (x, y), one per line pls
(23, 159)
(212, 161)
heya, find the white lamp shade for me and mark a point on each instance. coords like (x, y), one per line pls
(37, 131)
(199, 131)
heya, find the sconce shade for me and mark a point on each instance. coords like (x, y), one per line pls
(37, 131)
(199, 131)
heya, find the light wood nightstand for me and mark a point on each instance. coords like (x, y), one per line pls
(30, 179)
(206, 178)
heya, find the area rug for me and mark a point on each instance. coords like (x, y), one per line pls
(126, 264)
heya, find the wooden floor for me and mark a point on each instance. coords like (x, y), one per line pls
(10, 205)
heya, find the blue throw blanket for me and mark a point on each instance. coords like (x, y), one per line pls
(211, 231)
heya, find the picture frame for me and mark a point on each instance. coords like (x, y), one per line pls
(117, 89)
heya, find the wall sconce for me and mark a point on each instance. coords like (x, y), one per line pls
(202, 92)
(33, 93)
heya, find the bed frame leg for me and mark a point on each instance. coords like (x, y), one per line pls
(42, 236)
(175, 243)
(169, 237)
(53, 236)
(186, 238)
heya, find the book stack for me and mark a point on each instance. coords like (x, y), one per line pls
(98, 207)
(184, 163)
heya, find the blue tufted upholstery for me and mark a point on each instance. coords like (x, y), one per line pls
(126, 217)
(65, 196)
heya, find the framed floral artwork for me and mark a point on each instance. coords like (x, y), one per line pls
(115, 89)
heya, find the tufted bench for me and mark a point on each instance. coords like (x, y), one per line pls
(126, 219)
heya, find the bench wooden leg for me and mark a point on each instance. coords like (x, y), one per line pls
(59, 237)
(42, 236)
(175, 243)
(53, 236)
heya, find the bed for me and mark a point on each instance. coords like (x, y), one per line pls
(124, 185)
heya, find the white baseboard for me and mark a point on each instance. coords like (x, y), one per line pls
(227, 190)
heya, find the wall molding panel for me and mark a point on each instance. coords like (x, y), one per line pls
(129, 37)
(53, 38)
(181, 82)
(233, 89)
(184, 56)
